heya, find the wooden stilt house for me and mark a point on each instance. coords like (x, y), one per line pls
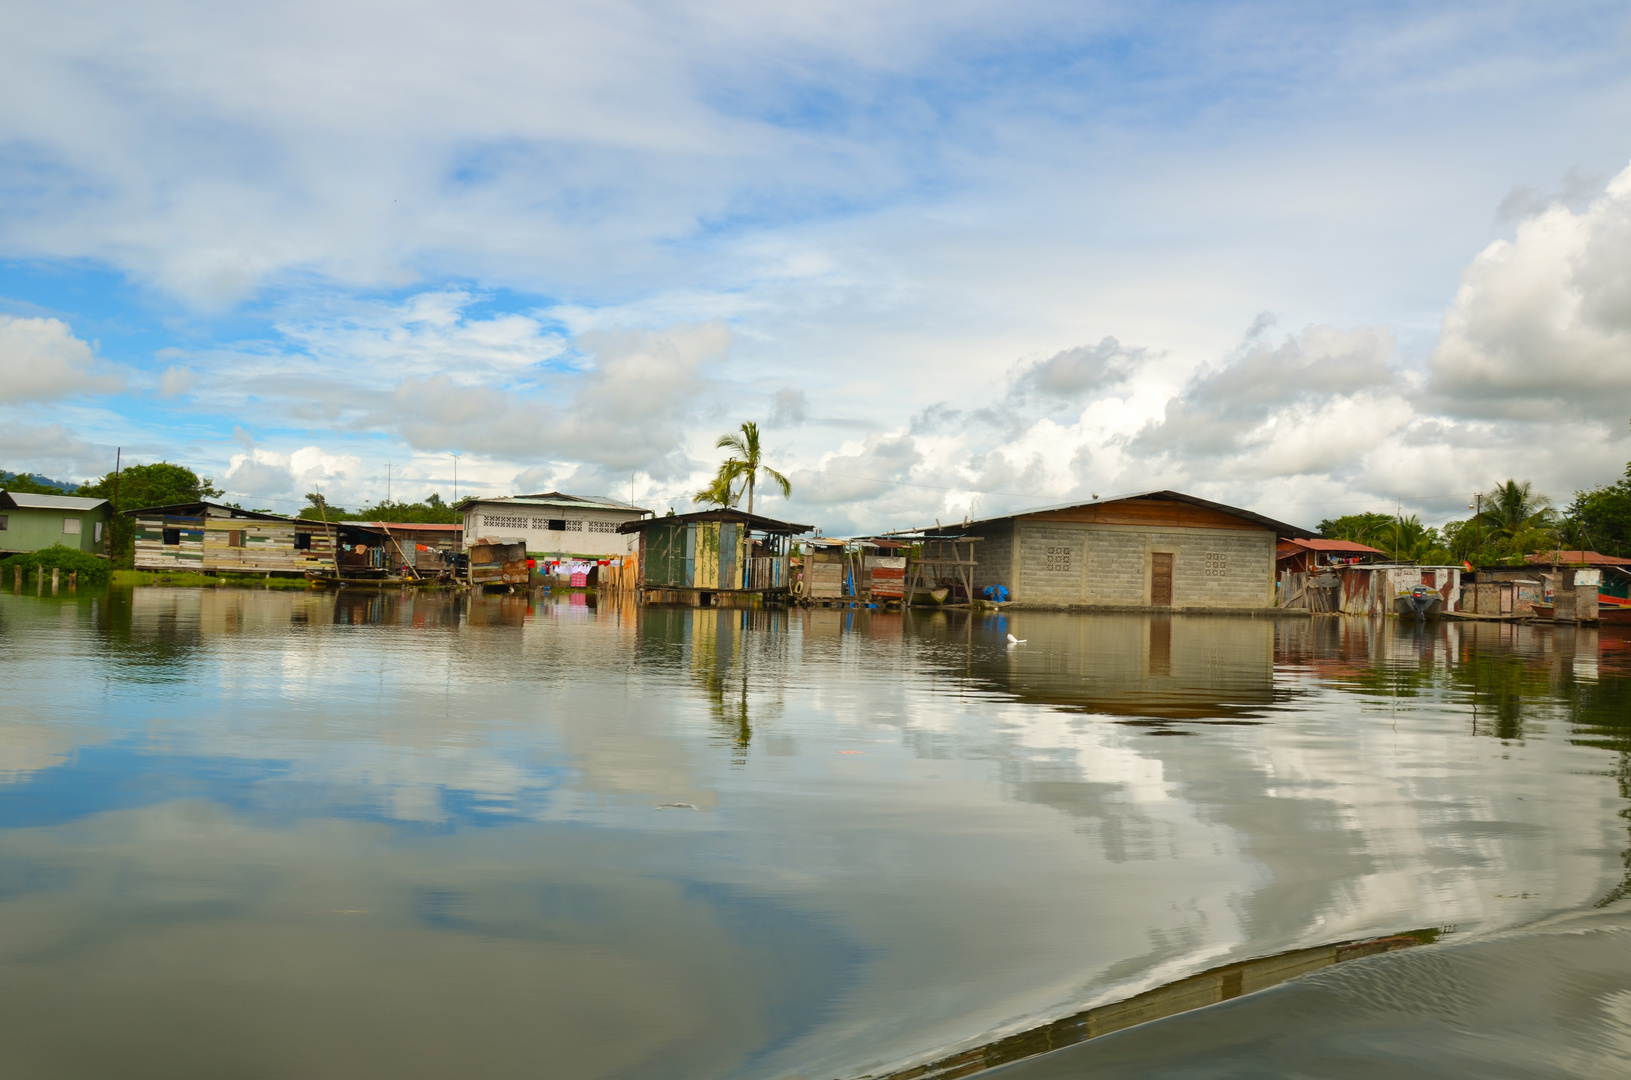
(713, 557)
(209, 538)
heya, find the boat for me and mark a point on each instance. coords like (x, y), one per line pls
(1616, 615)
(1420, 602)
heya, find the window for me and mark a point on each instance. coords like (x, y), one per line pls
(235, 538)
(302, 541)
(172, 537)
(70, 526)
(5, 522)
(557, 524)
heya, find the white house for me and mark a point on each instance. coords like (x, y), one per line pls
(553, 524)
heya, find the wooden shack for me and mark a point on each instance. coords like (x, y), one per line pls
(209, 538)
(723, 557)
(823, 570)
(1157, 549)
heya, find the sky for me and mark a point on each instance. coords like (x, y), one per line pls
(954, 258)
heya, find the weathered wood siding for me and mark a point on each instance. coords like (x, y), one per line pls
(205, 545)
(694, 555)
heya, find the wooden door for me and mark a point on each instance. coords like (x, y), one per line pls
(1161, 579)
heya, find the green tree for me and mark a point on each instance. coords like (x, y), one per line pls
(1515, 510)
(747, 461)
(1600, 519)
(1357, 528)
(721, 490)
(29, 484)
(433, 511)
(138, 487)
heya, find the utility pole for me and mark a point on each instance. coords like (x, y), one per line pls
(388, 483)
(118, 465)
(455, 458)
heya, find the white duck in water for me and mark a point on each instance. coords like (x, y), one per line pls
(1012, 641)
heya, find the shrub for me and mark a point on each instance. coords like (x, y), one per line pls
(91, 570)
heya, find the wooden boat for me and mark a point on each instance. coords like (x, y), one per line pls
(328, 579)
(930, 596)
(1617, 615)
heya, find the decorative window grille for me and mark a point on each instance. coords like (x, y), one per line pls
(70, 526)
(574, 526)
(1216, 564)
(602, 526)
(504, 522)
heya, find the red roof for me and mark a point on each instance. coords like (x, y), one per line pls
(1344, 546)
(1575, 558)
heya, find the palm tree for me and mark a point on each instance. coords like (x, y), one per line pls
(1513, 509)
(720, 491)
(747, 462)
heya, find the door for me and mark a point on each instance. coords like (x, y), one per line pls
(1161, 579)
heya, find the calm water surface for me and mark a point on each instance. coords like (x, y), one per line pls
(272, 834)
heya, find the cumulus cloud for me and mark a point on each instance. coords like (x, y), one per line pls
(42, 360)
(1541, 326)
(789, 408)
(1282, 407)
(259, 472)
(628, 411)
(176, 381)
(54, 450)
(1070, 375)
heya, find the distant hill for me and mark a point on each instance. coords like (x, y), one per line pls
(36, 485)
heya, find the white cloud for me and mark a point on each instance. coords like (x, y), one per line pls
(1541, 327)
(42, 360)
(54, 450)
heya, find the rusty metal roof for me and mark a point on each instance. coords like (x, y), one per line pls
(1575, 558)
(1316, 543)
(742, 517)
(1281, 529)
(553, 498)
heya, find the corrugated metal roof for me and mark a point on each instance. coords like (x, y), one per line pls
(553, 498)
(194, 509)
(753, 521)
(407, 526)
(1316, 543)
(25, 501)
(1573, 558)
(1280, 528)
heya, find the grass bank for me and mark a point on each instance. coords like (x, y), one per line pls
(184, 579)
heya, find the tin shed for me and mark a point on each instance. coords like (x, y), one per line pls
(31, 522)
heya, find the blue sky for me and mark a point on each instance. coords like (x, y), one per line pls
(956, 257)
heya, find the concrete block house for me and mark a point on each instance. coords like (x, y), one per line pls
(1156, 550)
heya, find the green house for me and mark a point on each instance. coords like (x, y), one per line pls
(32, 522)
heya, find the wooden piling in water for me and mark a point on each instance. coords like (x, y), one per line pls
(56, 577)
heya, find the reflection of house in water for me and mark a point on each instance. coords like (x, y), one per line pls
(1142, 666)
(1160, 549)
(736, 657)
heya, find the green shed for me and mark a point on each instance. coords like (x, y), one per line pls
(32, 522)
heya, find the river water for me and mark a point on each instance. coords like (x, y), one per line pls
(287, 834)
